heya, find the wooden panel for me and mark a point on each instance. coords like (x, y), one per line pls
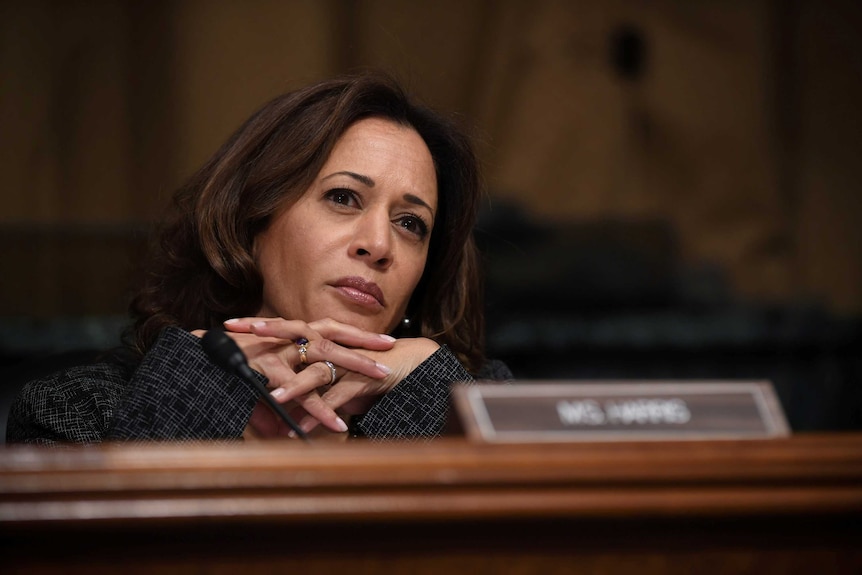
(232, 57)
(767, 506)
(741, 134)
(687, 141)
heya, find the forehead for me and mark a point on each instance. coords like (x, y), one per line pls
(380, 130)
(381, 143)
(388, 157)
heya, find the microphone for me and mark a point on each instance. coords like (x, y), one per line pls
(225, 353)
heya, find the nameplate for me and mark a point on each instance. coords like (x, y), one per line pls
(618, 411)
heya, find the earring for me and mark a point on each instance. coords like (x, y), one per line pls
(405, 323)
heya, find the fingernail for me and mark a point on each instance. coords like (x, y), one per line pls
(387, 337)
(232, 320)
(306, 423)
(292, 434)
(340, 425)
(278, 393)
(383, 368)
(258, 324)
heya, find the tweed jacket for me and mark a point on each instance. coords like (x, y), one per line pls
(177, 393)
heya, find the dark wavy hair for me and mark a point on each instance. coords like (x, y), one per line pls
(202, 270)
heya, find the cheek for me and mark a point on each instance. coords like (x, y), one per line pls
(290, 242)
(276, 255)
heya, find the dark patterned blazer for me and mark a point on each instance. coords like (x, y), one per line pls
(177, 393)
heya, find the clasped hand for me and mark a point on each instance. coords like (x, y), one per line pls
(367, 365)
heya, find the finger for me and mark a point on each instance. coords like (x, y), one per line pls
(272, 327)
(341, 333)
(326, 350)
(319, 412)
(318, 350)
(284, 329)
(242, 324)
(352, 336)
(293, 386)
(265, 423)
(354, 394)
(351, 397)
(261, 351)
(308, 423)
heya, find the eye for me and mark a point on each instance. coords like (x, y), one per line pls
(413, 224)
(342, 197)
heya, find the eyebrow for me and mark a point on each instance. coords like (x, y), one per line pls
(365, 180)
(418, 201)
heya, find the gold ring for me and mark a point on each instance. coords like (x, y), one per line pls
(303, 350)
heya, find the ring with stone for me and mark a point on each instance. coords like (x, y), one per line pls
(331, 367)
(303, 350)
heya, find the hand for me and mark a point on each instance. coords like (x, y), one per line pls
(355, 392)
(269, 345)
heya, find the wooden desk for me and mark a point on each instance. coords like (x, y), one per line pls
(777, 506)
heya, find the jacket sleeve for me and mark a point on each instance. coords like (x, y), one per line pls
(70, 406)
(418, 405)
(174, 393)
(178, 393)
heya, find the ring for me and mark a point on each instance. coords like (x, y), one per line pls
(303, 350)
(331, 371)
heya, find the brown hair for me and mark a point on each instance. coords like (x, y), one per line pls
(202, 270)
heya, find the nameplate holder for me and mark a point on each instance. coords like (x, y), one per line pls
(565, 411)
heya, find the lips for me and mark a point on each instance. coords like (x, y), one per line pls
(360, 290)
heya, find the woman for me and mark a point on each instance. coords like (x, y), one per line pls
(331, 236)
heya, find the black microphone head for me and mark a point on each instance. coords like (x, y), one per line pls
(223, 351)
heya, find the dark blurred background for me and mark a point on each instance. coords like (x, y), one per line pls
(673, 185)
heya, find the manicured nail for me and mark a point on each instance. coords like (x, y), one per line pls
(232, 320)
(387, 337)
(340, 425)
(383, 368)
(306, 423)
(278, 393)
(259, 325)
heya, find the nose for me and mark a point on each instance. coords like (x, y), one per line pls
(372, 240)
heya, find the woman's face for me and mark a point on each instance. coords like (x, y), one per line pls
(354, 246)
